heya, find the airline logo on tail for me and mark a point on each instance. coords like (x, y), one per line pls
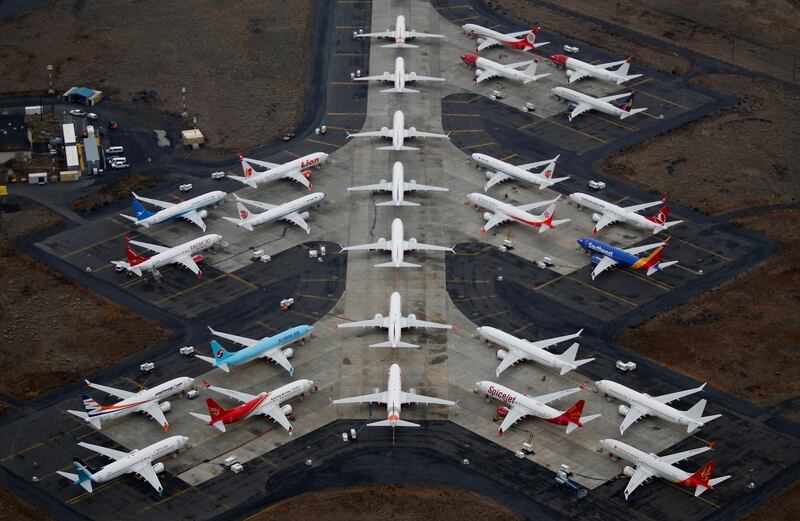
(660, 217)
(627, 103)
(702, 477)
(246, 168)
(134, 258)
(548, 173)
(244, 213)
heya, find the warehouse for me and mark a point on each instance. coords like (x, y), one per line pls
(84, 96)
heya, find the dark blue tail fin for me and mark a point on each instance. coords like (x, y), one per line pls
(141, 211)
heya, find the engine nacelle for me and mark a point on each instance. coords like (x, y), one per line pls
(382, 242)
(478, 72)
(197, 258)
(287, 410)
(412, 182)
(480, 40)
(412, 316)
(305, 215)
(596, 217)
(502, 354)
(376, 390)
(595, 259)
(412, 243)
(623, 409)
(628, 471)
(383, 181)
(489, 175)
(570, 72)
(412, 129)
(307, 174)
(202, 214)
(165, 406)
(487, 216)
(412, 390)
(384, 129)
(288, 352)
(502, 411)
(158, 468)
(387, 76)
(378, 316)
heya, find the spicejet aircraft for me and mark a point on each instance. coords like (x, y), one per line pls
(488, 38)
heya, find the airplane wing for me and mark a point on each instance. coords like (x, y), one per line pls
(425, 323)
(680, 456)
(419, 133)
(105, 451)
(364, 398)
(154, 411)
(494, 221)
(277, 356)
(519, 65)
(639, 249)
(375, 133)
(640, 207)
(544, 344)
(425, 78)
(236, 395)
(234, 338)
(496, 178)
(551, 397)
(383, 322)
(265, 164)
(634, 413)
(421, 246)
(518, 33)
(418, 398)
(194, 218)
(641, 475)
(155, 202)
(410, 187)
(609, 64)
(671, 397)
(382, 77)
(189, 262)
(299, 177)
(486, 75)
(277, 414)
(603, 265)
(145, 469)
(257, 204)
(579, 109)
(540, 204)
(535, 164)
(378, 186)
(514, 415)
(415, 34)
(488, 42)
(511, 358)
(119, 393)
(604, 221)
(371, 246)
(154, 247)
(578, 76)
(296, 219)
(615, 97)
(382, 34)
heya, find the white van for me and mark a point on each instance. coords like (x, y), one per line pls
(114, 150)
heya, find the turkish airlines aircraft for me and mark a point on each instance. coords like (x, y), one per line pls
(651, 465)
(583, 103)
(395, 323)
(137, 461)
(520, 349)
(397, 246)
(500, 212)
(296, 170)
(487, 69)
(498, 171)
(185, 254)
(145, 401)
(577, 70)
(523, 405)
(398, 187)
(399, 78)
(293, 212)
(489, 38)
(397, 134)
(400, 34)
(192, 210)
(263, 404)
(640, 405)
(394, 398)
(610, 213)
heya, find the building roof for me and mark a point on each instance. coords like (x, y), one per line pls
(90, 149)
(69, 133)
(72, 156)
(14, 133)
(85, 92)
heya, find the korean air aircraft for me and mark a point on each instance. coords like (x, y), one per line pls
(605, 256)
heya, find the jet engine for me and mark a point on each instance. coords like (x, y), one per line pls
(202, 214)
(378, 316)
(628, 471)
(383, 181)
(382, 242)
(570, 73)
(287, 410)
(384, 129)
(165, 406)
(412, 316)
(307, 174)
(412, 390)
(197, 258)
(158, 468)
(412, 129)
(595, 259)
(387, 76)
(596, 217)
(502, 411)
(412, 182)
(623, 410)
(375, 390)
(478, 72)
(489, 175)
(412, 243)
(502, 354)
(288, 352)
(487, 216)
(305, 215)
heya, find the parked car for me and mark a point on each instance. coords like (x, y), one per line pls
(91, 115)
(77, 112)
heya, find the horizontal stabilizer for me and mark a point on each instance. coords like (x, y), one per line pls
(404, 89)
(94, 421)
(389, 344)
(243, 180)
(628, 78)
(401, 264)
(387, 423)
(207, 359)
(134, 219)
(660, 266)
(399, 46)
(400, 203)
(392, 147)
(206, 418)
(631, 113)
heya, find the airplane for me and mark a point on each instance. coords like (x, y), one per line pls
(487, 69)
(581, 103)
(488, 38)
(520, 349)
(651, 465)
(269, 347)
(523, 405)
(498, 171)
(293, 211)
(394, 398)
(610, 213)
(397, 246)
(640, 404)
(398, 133)
(395, 323)
(264, 404)
(606, 256)
(185, 255)
(192, 209)
(398, 188)
(577, 70)
(400, 34)
(137, 461)
(296, 170)
(145, 401)
(500, 212)
(399, 78)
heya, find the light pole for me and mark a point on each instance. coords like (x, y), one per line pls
(184, 114)
(50, 79)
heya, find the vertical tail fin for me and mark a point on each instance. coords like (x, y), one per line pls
(217, 413)
(219, 352)
(134, 258)
(702, 480)
(661, 216)
(627, 103)
(531, 69)
(90, 404)
(569, 357)
(140, 211)
(696, 418)
(623, 69)
(246, 168)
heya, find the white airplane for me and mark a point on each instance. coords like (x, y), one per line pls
(192, 209)
(520, 349)
(395, 323)
(397, 246)
(296, 170)
(263, 404)
(398, 187)
(394, 398)
(145, 401)
(487, 69)
(293, 211)
(577, 70)
(137, 461)
(652, 465)
(640, 405)
(500, 212)
(399, 78)
(609, 213)
(400, 34)
(185, 254)
(398, 133)
(498, 171)
(581, 103)
(488, 38)
(523, 405)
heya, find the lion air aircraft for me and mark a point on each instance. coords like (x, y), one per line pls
(500, 212)
(397, 246)
(487, 38)
(185, 254)
(394, 398)
(487, 69)
(400, 34)
(577, 70)
(398, 187)
(398, 133)
(651, 465)
(395, 323)
(296, 170)
(498, 171)
(581, 103)
(523, 405)
(293, 212)
(399, 78)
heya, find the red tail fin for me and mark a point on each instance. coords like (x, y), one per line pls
(660, 217)
(133, 257)
(702, 476)
(215, 410)
(572, 415)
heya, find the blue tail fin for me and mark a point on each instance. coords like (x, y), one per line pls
(627, 102)
(141, 211)
(219, 352)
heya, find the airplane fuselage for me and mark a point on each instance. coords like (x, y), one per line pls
(265, 345)
(620, 214)
(395, 317)
(648, 404)
(621, 257)
(281, 211)
(660, 468)
(571, 64)
(478, 31)
(142, 399)
(512, 343)
(495, 206)
(266, 401)
(188, 248)
(398, 250)
(398, 129)
(511, 397)
(179, 210)
(136, 457)
(482, 64)
(393, 394)
(303, 163)
(495, 165)
(597, 104)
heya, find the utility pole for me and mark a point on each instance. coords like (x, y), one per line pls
(50, 80)
(184, 114)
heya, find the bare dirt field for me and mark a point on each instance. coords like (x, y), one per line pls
(113, 192)
(12, 508)
(245, 64)
(395, 502)
(39, 312)
(782, 507)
